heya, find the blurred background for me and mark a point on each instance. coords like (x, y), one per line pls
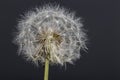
(102, 61)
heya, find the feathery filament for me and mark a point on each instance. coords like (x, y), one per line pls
(50, 32)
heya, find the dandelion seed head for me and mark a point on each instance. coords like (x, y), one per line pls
(50, 31)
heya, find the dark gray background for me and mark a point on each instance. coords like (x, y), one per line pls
(102, 62)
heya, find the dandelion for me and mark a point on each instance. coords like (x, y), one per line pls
(50, 35)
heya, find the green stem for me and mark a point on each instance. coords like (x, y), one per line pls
(46, 72)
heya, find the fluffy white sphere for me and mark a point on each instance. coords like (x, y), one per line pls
(52, 31)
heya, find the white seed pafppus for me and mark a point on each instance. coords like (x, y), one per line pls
(50, 31)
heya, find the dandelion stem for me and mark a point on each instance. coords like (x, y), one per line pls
(46, 72)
